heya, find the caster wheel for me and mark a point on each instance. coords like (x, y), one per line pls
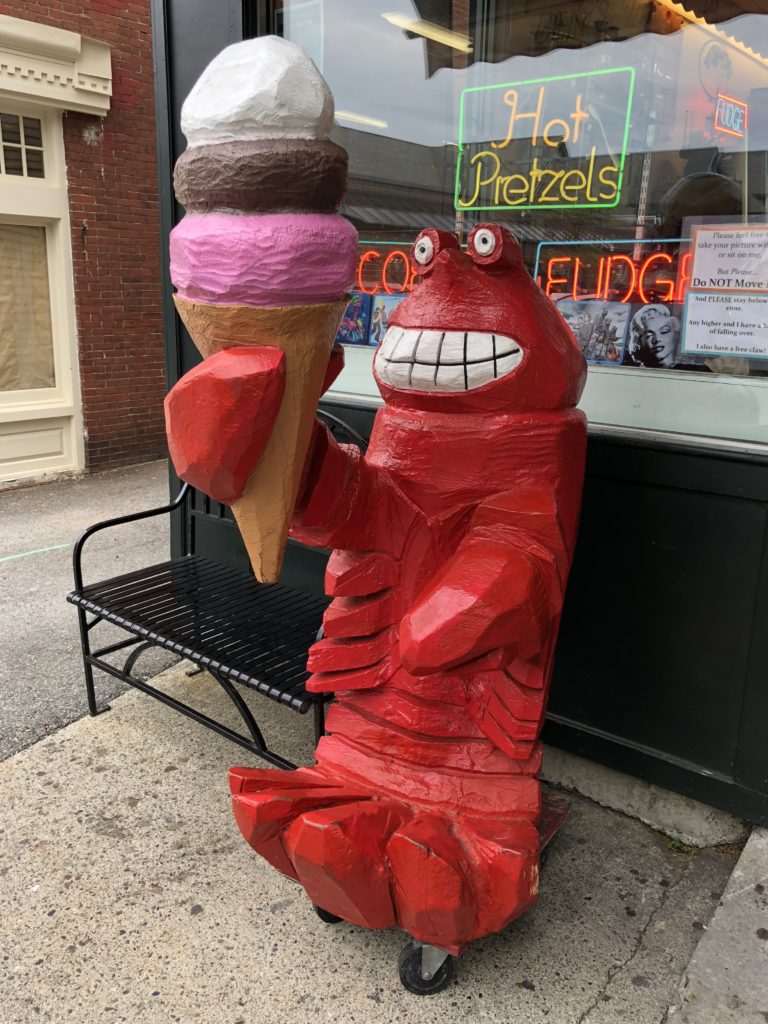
(326, 915)
(409, 966)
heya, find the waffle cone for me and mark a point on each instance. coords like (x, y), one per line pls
(306, 335)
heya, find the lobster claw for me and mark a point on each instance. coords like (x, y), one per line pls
(220, 415)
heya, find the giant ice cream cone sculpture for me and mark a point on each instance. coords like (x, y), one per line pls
(261, 263)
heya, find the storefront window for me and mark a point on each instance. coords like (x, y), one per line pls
(624, 143)
(26, 341)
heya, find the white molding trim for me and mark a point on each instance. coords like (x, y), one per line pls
(41, 431)
(53, 67)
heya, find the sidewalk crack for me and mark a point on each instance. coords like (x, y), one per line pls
(614, 971)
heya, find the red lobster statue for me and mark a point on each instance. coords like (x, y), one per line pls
(452, 539)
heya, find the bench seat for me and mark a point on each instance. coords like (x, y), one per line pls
(220, 618)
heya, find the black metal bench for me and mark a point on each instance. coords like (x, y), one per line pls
(221, 618)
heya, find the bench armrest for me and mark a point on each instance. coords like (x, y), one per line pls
(336, 423)
(118, 521)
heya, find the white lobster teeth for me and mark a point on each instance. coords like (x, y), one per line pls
(412, 360)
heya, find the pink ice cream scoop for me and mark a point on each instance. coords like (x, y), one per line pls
(273, 259)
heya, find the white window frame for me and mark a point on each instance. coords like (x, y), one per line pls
(45, 71)
(43, 202)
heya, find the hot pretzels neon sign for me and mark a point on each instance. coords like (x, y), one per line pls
(546, 143)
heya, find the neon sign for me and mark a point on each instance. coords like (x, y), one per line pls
(390, 272)
(578, 272)
(575, 270)
(557, 143)
(731, 116)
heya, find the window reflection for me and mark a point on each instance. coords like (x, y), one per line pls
(653, 119)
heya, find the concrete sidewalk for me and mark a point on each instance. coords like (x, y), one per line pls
(129, 895)
(727, 978)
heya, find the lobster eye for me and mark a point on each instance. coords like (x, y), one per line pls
(484, 242)
(428, 247)
(493, 247)
(424, 250)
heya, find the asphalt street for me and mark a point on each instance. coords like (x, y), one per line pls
(41, 674)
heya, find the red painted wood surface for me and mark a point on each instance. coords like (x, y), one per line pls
(453, 539)
(220, 415)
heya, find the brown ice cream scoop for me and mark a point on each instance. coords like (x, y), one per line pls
(268, 175)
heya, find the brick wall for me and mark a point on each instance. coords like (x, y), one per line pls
(112, 177)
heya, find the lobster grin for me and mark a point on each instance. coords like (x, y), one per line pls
(413, 360)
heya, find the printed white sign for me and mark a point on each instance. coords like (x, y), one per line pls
(718, 324)
(726, 309)
(730, 259)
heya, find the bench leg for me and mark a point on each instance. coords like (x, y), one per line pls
(319, 714)
(242, 707)
(85, 644)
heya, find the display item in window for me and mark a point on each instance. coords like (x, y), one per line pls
(356, 321)
(600, 328)
(654, 338)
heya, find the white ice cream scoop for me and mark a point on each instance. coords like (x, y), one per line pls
(263, 88)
